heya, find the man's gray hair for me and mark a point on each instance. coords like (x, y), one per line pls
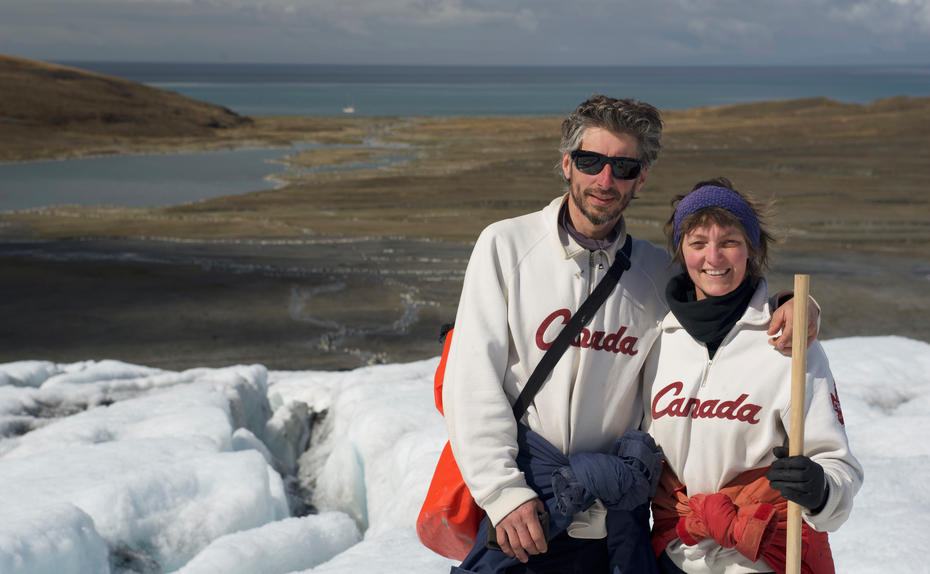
(627, 116)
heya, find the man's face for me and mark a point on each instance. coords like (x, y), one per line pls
(598, 200)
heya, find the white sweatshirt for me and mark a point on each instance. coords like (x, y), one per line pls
(524, 280)
(716, 419)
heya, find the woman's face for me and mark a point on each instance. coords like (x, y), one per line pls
(715, 258)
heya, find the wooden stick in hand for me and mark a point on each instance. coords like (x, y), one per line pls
(798, 405)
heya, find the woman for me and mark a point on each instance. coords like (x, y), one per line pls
(718, 406)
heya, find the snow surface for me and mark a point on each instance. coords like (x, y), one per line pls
(111, 467)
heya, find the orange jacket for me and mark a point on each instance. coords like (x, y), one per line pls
(747, 515)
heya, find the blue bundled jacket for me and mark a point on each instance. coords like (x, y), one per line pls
(623, 479)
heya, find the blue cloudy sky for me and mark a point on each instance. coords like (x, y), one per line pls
(531, 32)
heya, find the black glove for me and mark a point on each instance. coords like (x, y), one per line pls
(799, 479)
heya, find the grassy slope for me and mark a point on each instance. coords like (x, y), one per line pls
(48, 110)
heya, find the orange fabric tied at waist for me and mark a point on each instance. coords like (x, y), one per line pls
(745, 528)
(746, 515)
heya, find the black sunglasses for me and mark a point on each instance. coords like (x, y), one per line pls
(591, 163)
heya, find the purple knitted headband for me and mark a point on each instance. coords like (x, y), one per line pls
(713, 196)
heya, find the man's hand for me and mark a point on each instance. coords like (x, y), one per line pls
(782, 320)
(520, 533)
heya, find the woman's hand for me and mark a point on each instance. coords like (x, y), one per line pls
(799, 479)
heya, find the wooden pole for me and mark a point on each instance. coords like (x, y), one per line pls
(798, 405)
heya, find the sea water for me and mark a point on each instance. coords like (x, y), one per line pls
(295, 89)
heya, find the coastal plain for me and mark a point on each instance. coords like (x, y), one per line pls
(337, 268)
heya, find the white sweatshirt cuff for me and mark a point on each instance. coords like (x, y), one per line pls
(506, 501)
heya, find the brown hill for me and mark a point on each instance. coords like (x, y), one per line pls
(51, 110)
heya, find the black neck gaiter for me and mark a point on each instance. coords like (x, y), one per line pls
(710, 319)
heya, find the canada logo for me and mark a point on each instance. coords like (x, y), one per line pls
(586, 339)
(707, 409)
(835, 399)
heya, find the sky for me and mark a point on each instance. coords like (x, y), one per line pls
(111, 467)
(472, 32)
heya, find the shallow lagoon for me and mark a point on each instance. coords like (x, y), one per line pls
(156, 179)
(137, 180)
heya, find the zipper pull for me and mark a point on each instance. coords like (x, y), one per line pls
(706, 371)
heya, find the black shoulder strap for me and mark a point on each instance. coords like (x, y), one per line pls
(581, 318)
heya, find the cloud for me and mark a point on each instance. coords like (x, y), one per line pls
(677, 32)
(727, 33)
(886, 16)
(365, 16)
(795, 31)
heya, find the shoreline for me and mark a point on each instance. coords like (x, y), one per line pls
(282, 131)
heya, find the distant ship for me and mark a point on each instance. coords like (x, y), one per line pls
(350, 109)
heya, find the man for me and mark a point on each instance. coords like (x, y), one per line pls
(525, 278)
